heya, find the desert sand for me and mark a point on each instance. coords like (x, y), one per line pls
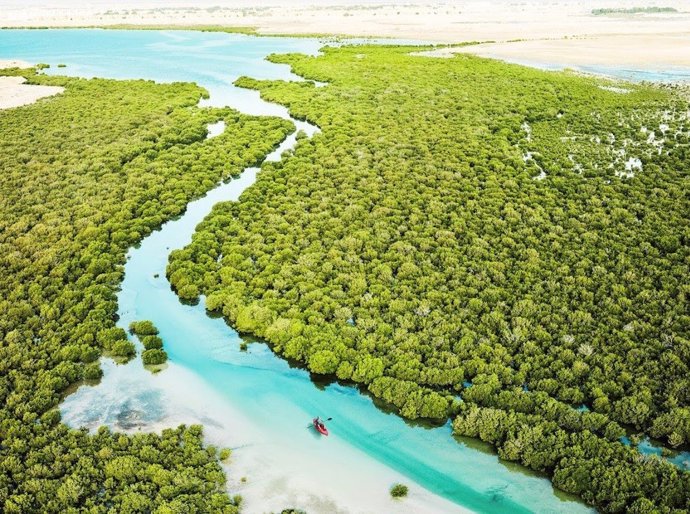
(15, 93)
(566, 31)
(431, 20)
(658, 51)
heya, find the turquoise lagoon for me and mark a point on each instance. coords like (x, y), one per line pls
(252, 401)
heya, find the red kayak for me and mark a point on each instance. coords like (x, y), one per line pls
(318, 425)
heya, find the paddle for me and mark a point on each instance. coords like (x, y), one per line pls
(311, 425)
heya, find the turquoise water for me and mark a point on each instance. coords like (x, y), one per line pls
(213, 60)
(680, 459)
(646, 446)
(273, 401)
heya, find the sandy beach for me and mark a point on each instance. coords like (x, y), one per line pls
(15, 93)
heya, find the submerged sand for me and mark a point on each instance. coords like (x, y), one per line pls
(263, 468)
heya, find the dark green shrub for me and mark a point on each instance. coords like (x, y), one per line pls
(123, 349)
(399, 491)
(143, 328)
(154, 356)
(152, 342)
(92, 371)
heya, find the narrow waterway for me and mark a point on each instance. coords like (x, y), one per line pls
(252, 400)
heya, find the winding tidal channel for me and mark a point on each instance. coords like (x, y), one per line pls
(253, 401)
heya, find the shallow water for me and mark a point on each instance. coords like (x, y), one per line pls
(668, 75)
(678, 74)
(647, 446)
(253, 401)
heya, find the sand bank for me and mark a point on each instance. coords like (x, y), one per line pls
(14, 93)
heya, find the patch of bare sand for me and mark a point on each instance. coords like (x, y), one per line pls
(10, 63)
(15, 93)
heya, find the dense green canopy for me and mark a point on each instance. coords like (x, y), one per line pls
(468, 220)
(86, 175)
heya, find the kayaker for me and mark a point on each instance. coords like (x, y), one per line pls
(320, 426)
